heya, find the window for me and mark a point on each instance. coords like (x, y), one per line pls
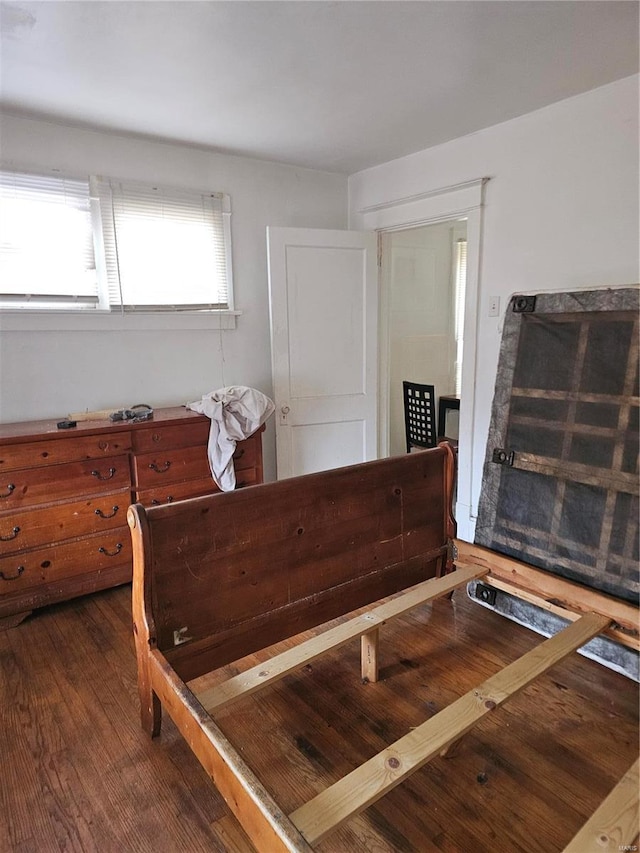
(112, 246)
(460, 284)
(164, 248)
(46, 242)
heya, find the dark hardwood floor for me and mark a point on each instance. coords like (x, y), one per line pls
(77, 774)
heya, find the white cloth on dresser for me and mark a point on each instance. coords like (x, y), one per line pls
(236, 412)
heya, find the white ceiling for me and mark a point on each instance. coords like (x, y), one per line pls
(339, 86)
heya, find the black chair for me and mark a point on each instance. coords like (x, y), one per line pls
(419, 415)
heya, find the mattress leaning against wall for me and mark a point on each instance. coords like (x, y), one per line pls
(560, 480)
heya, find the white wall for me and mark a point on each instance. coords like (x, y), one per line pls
(421, 339)
(561, 213)
(53, 365)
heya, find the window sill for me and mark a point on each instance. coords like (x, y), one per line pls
(78, 321)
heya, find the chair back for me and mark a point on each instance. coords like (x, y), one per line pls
(419, 415)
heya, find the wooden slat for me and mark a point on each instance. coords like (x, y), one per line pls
(615, 825)
(367, 783)
(248, 682)
(628, 640)
(261, 818)
(573, 596)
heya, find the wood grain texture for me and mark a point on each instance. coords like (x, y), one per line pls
(20, 602)
(72, 752)
(58, 488)
(365, 625)
(372, 780)
(615, 825)
(55, 523)
(69, 480)
(329, 543)
(369, 645)
(260, 816)
(486, 792)
(77, 773)
(617, 633)
(573, 596)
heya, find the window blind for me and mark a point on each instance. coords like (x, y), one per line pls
(46, 240)
(164, 249)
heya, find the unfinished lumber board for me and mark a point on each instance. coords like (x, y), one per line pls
(552, 587)
(214, 698)
(98, 415)
(367, 783)
(261, 818)
(615, 824)
(369, 643)
(625, 639)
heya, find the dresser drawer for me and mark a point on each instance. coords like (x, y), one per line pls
(187, 463)
(193, 488)
(246, 454)
(30, 528)
(177, 491)
(170, 437)
(56, 450)
(29, 486)
(44, 565)
(170, 466)
(247, 477)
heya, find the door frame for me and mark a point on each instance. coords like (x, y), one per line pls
(461, 201)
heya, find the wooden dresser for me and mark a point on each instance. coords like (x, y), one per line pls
(64, 496)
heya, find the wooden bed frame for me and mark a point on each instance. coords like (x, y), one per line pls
(220, 577)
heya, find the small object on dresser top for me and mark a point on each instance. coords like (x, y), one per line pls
(139, 412)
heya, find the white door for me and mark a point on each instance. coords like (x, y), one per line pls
(324, 321)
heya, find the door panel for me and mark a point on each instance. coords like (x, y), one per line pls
(318, 447)
(324, 315)
(326, 292)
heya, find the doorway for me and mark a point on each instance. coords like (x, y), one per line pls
(423, 279)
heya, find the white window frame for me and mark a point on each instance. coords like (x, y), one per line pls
(99, 314)
(113, 198)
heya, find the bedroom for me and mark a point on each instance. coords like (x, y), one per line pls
(560, 212)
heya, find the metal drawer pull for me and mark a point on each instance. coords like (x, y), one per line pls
(156, 502)
(10, 488)
(103, 515)
(97, 474)
(111, 553)
(11, 536)
(13, 577)
(155, 467)
(239, 453)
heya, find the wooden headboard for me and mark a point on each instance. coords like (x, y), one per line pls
(232, 573)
